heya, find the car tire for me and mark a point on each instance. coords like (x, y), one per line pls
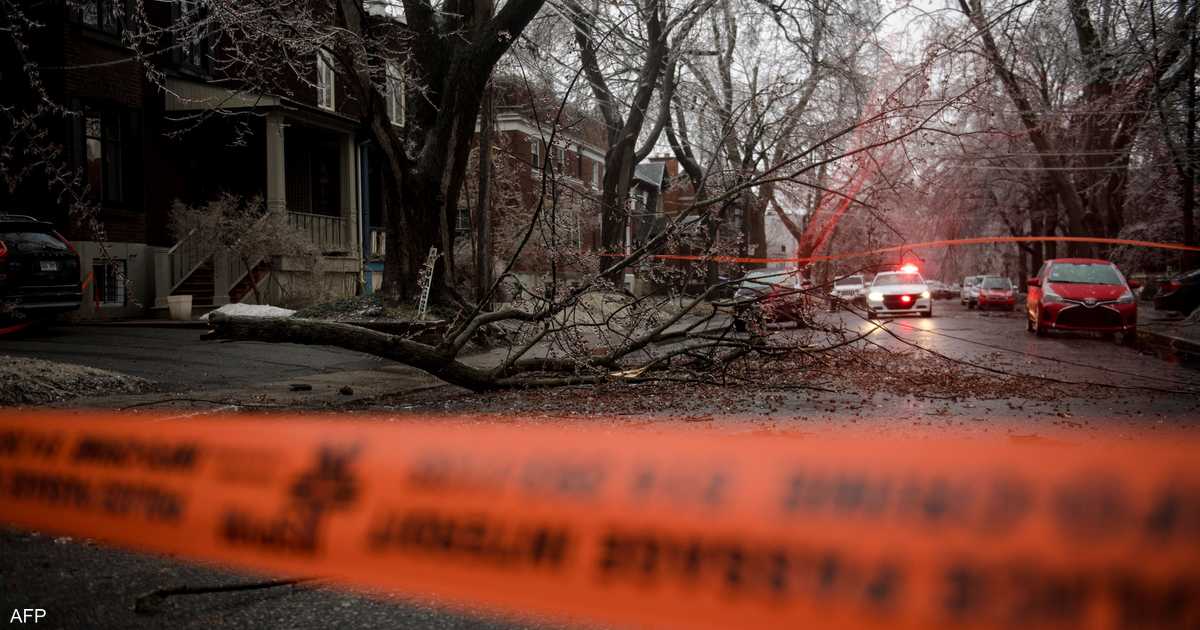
(1028, 323)
(1038, 328)
(871, 314)
(1129, 338)
(928, 313)
(970, 306)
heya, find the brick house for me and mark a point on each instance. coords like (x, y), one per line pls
(139, 149)
(135, 145)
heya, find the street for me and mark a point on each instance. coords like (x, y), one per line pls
(994, 370)
(997, 340)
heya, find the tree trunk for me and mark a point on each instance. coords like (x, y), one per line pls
(483, 220)
(1188, 177)
(398, 277)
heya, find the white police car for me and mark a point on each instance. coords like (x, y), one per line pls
(901, 292)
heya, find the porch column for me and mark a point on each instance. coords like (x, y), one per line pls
(276, 182)
(349, 195)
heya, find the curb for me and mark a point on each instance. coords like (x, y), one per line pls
(142, 323)
(1177, 344)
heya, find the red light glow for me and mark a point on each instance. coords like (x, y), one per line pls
(909, 268)
(905, 298)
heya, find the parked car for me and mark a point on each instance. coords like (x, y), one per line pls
(39, 269)
(969, 294)
(1084, 294)
(899, 293)
(848, 290)
(1180, 293)
(940, 290)
(768, 295)
(996, 292)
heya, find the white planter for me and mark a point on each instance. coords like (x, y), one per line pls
(181, 307)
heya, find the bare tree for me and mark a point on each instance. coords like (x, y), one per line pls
(1119, 75)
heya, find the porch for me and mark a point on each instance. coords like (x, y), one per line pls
(307, 167)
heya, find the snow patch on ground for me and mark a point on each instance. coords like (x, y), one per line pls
(251, 310)
(26, 381)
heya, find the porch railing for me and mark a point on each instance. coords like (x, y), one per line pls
(329, 233)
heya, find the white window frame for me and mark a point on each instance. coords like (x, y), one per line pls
(394, 93)
(326, 81)
(535, 148)
(558, 156)
(597, 181)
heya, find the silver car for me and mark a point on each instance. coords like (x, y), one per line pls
(969, 294)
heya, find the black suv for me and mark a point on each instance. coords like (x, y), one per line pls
(39, 269)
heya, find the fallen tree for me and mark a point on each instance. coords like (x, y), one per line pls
(624, 345)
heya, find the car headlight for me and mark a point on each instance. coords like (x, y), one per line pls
(1052, 298)
(1126, 299)
(875, 296)
(925, 294)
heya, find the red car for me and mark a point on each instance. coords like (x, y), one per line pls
(996, 292)
(1082, 294)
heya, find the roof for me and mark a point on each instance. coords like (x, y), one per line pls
(1091, 261)
(651, 173)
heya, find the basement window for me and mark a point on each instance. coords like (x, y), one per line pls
(108, 282)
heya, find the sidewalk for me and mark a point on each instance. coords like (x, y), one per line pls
(1169, 330)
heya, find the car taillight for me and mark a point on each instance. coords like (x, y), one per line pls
(64, 241)
(3, 250)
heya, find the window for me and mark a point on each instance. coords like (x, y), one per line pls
(1084, 273)
(192, 33)
(993, 282)
(535, 149)
(559, 156)
(103, 154)
(597, 180)
(394, 93)
(108, 282)
(103, 15)
(462, 222)
(326, 81)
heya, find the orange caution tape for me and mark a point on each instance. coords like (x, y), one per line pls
(632, 527)
(981, 240)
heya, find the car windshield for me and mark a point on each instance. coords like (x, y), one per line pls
(852, 281)
(765, 278)
(1084, 273)
(885, 279)
(28, 241)
(997, 283)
